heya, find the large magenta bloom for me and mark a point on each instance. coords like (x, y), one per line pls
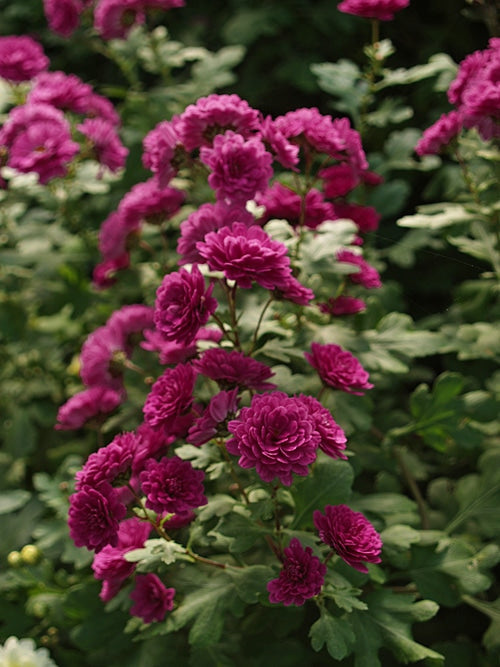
(231, 368)
(110, 566)
(183, 305)
(172, 485)
(21, 58)
(111, 463)
(383, 10)
(168, 404)
(338, 368)
(240, 168)
(149, 203)
(351, 535)
(301, 577)
(276, 435)
(94, 516)
(152, 599)
(245, 255)
(88, 404)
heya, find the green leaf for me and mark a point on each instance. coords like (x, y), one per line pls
(154, 552)
(251, 582)
(368, 640)
(10, 501)
(438, 63)
(437, 216)
(328, 484)
(342, 592)
(336, 633)
(242, 531)
(399, 537)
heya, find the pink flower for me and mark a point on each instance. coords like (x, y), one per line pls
(114, 236)
(351, 535)
(437, 137)
(383, 10)
(293, 290)
(163, 151)
(213, 421)
(150, 444)
(207, 218)
(333, 439)
(283, 203)
(231, 368)
(111, 463)
(105, 144)
(177, 353)
(246, 254)
(183, 305)
(113, 19)
(365, 217)
(216, 114)
(339, 180)
(104, 274)
(366, 276)
(301, 576)
(149, 203)
(338, 368)
(87, 405)
(240, 168)
(110, 566)
(94, 516)
(64, 91)
(172, 485)
(151, 598)
(284, 151)
(63, 16)
(21, 58)
(276, 435)
(168, 404)
(342, 305)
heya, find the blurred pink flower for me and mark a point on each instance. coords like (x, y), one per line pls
(21, 58)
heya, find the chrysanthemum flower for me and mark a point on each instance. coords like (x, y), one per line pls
(231, 368)
(21, 58)
(383, 10)
(301, 576)
(367, 275)
(338, 368)
(172, 485)
(152, 599)
(92, 403)
(168, 404)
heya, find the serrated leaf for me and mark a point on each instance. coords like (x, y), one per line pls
(437, 216)
(154, 552)
(399, 536)
(10, 501)
(241, 529)
(342, 592)
(251, 582)
(335, 632)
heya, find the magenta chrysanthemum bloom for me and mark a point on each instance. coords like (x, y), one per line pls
(87, 405)
(207, 218)
(63, 16)
(104, 273)
(149, 203)
(221, 407)
(183, 305)
(342, 305)
(64, 91)
(286, 153)
(366, 275)
(94, 516)
(294, 291)
(113, 19)
(152, 599)
(111, 463)
(365, 217)
(164, 152)
(283, 203)
(105, 144)
(339, 180)
(240, 168)
(351, 535)
(128, 322)
(214, 115)
(21, 58)
(276, 435)
(177, 353)
(301, 576)
(231, 368)
(333, 439)
(151, 443)
(338, 368)
(110, 566)
(168, 404)
(245, 255)
(383, 10)
(172, 485)
(438, 136)
(114, 236)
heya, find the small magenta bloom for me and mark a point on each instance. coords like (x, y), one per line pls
(365, 217)
(63, 16)
(231, 368)
(213, 115)
(183, 305)
(338, 368)
(110, 566)
(351, 535)
(342, 305)
(21, 58)
(111, 463)
(172, 485)
(87, 405)
(276, 435)
(152, 599)
(246, 255)
(438, 136)
(301, 577)
(339, 180)
(333, 439)
(282, 202)
(163, 151)
(222, 406)
(147, 202)
(173, 353)
(105, 144)
(383, 10)
(94, 516)
(240, 168)
(365, 275)
(168, 404)
(113, 19)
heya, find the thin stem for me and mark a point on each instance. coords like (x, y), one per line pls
(220, 444)
(261, 317)
(413, 486)
(375, 32)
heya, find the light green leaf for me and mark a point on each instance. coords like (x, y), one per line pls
(251, 582)
(335, 632)
(10, 501)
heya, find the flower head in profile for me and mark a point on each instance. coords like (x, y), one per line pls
(21, 58)
(342, 305)
(168, 405)
(183, 305)
(301, 576)
(90, 404)
(172, 485)
(383, 10)
(163, 151)
(113, 19)
(24, 653)
(439, 135)
(351, 535)
(222, 406)
(276, 435)
(231, 368)
(365, 274)
(111, 463)
(63, 16)
(338, 368)
(105, 144)
(152, 599)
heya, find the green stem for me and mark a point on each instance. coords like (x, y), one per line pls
(261, 317)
